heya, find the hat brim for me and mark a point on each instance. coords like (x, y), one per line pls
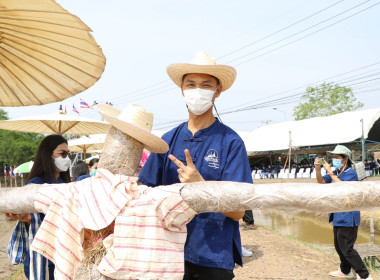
(226, 74)
(151, 142)
(340, 153)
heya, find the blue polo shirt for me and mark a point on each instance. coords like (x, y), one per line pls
(219, 154)
(344, 219)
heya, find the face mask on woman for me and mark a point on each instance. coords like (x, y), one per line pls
(198, 100)
(337, 163)
(93, 172)
(62, 164)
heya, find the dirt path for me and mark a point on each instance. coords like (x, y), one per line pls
(279, 257)
(6, 228)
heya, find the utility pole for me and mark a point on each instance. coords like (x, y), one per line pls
(290, 148)
(363, 142)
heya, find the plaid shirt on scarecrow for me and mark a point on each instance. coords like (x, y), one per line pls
(149, 234)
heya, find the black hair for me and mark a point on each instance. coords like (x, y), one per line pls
(44, 166)
(92, 162)
(348, 161)
(217, 80)
(79, 169)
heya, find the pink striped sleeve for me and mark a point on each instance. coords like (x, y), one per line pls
(102, 198)
(173, 211)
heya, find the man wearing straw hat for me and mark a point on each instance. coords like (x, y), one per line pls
(203, 149)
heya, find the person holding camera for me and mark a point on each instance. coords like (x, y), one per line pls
(345, 224)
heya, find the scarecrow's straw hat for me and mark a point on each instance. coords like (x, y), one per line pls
(136, 122)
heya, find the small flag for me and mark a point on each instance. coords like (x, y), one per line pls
(20, 174)
(65, 110)
(83, 104)
(13, 172)
(75, 109)
(10, 171)
(5, 171)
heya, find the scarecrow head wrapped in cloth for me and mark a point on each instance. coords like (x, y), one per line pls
(109, 227)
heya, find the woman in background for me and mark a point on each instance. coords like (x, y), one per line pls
(345, 224)
(51, 165)
(93, 166)
(80, 171)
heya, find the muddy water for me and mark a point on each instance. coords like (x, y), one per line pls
(304, 228)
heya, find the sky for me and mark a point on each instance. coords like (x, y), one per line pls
(277, 47)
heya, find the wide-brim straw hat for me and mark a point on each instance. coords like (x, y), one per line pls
(202, 63)
(136, 122)
(341, 150)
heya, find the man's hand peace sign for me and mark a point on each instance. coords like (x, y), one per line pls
(186, 173)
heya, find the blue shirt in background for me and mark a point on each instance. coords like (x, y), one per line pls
(80, 178)
(344, 219)
(219, 154)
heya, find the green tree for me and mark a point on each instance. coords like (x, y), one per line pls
(3, 115)
(17, 147)
(325, 100)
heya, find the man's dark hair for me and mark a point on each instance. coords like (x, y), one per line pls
(44, 166)
(217, 80)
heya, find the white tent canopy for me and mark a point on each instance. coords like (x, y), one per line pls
(87, 144)
(340, 128)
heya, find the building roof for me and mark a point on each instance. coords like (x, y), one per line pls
(337, 129)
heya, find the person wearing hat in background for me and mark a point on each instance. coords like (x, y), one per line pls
(203, 149)
(345, 224)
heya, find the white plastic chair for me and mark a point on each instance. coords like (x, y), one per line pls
(286, 174)
(253, 174)
(323, 172)
(313, 174)
(258, 174)
(281, 173)
(300, 173)
(292, 174)
(306, 173)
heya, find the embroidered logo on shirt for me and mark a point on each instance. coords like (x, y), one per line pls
(212, 158)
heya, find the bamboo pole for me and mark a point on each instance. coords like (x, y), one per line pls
(220, 196)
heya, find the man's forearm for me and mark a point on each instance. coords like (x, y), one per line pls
(236, 216)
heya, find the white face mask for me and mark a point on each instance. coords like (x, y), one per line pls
(198, 100)
(62, 164)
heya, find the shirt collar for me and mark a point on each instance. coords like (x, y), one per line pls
(203, 131)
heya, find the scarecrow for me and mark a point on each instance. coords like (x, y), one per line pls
(110, 227)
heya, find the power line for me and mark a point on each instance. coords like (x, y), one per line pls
(293, 97)
(299, 39)
(278, 31)
(309, 84)
(142, 95)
